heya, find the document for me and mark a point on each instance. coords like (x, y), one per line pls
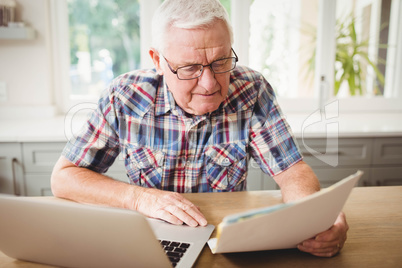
(285, 225)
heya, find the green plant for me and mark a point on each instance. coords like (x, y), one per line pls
(351, 57)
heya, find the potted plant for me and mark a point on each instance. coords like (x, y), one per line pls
(351, 58)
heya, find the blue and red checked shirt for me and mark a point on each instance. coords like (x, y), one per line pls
(166, 148)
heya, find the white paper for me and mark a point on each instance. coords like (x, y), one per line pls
(285, 226)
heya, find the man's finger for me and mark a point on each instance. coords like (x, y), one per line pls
(181, 215)
(168, 217)
(194, 212)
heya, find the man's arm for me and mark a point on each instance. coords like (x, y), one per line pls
(299, 181)
(86, 186)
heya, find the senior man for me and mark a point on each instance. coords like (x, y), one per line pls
(189, 125)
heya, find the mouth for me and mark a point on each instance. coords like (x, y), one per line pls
(206, 95)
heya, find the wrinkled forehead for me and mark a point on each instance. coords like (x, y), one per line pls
(209, 36)
(211, 33)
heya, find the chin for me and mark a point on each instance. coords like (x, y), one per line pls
(205, 110)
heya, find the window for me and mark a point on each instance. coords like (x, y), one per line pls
(362, 38)
(93, 41)
(298, 45)
(313, 52)
(104, 42)
(282, 42)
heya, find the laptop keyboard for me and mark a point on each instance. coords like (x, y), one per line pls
(174, 250)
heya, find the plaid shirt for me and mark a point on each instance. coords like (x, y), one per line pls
(166, 148)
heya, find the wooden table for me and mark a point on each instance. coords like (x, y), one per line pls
(374, 215)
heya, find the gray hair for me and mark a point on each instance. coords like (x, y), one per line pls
(186, 14)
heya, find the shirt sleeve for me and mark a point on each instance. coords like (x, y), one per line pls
(273, 145)
(97, 144)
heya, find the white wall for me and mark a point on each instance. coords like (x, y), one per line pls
(26, 65)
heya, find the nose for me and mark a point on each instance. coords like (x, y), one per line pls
(207, 79)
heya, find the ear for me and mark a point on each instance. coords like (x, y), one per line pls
(156, 60)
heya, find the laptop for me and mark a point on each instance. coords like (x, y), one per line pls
(285, 225)
(58, 232)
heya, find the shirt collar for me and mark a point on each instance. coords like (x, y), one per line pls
(164, 100)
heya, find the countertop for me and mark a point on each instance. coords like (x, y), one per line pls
(60, 128)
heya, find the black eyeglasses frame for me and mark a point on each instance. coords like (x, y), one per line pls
(203, 66)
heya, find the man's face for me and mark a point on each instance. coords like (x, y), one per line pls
(197, 46)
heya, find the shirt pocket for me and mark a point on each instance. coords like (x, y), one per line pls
(145, 166)
(226, 166)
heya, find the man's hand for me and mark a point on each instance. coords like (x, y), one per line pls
(328, 243)
(86, 186)
(169, 206)
(300, 181)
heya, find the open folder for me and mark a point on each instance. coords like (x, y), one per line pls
(285, 225)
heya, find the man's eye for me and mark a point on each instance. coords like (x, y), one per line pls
(191, 68)
(220, 64)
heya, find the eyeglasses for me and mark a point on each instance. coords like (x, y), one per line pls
(193, 71)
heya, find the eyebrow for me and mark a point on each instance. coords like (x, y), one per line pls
(190, 63)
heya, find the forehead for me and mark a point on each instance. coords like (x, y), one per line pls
(200, 45)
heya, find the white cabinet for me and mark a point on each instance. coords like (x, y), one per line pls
(330, 175)
(386, 176)
(37, 184)
(332, 160)
(387, 162)
(11, 173)
(25, 168)
(40, 157)
(336, 152)
(387, 151)
(39, 160)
